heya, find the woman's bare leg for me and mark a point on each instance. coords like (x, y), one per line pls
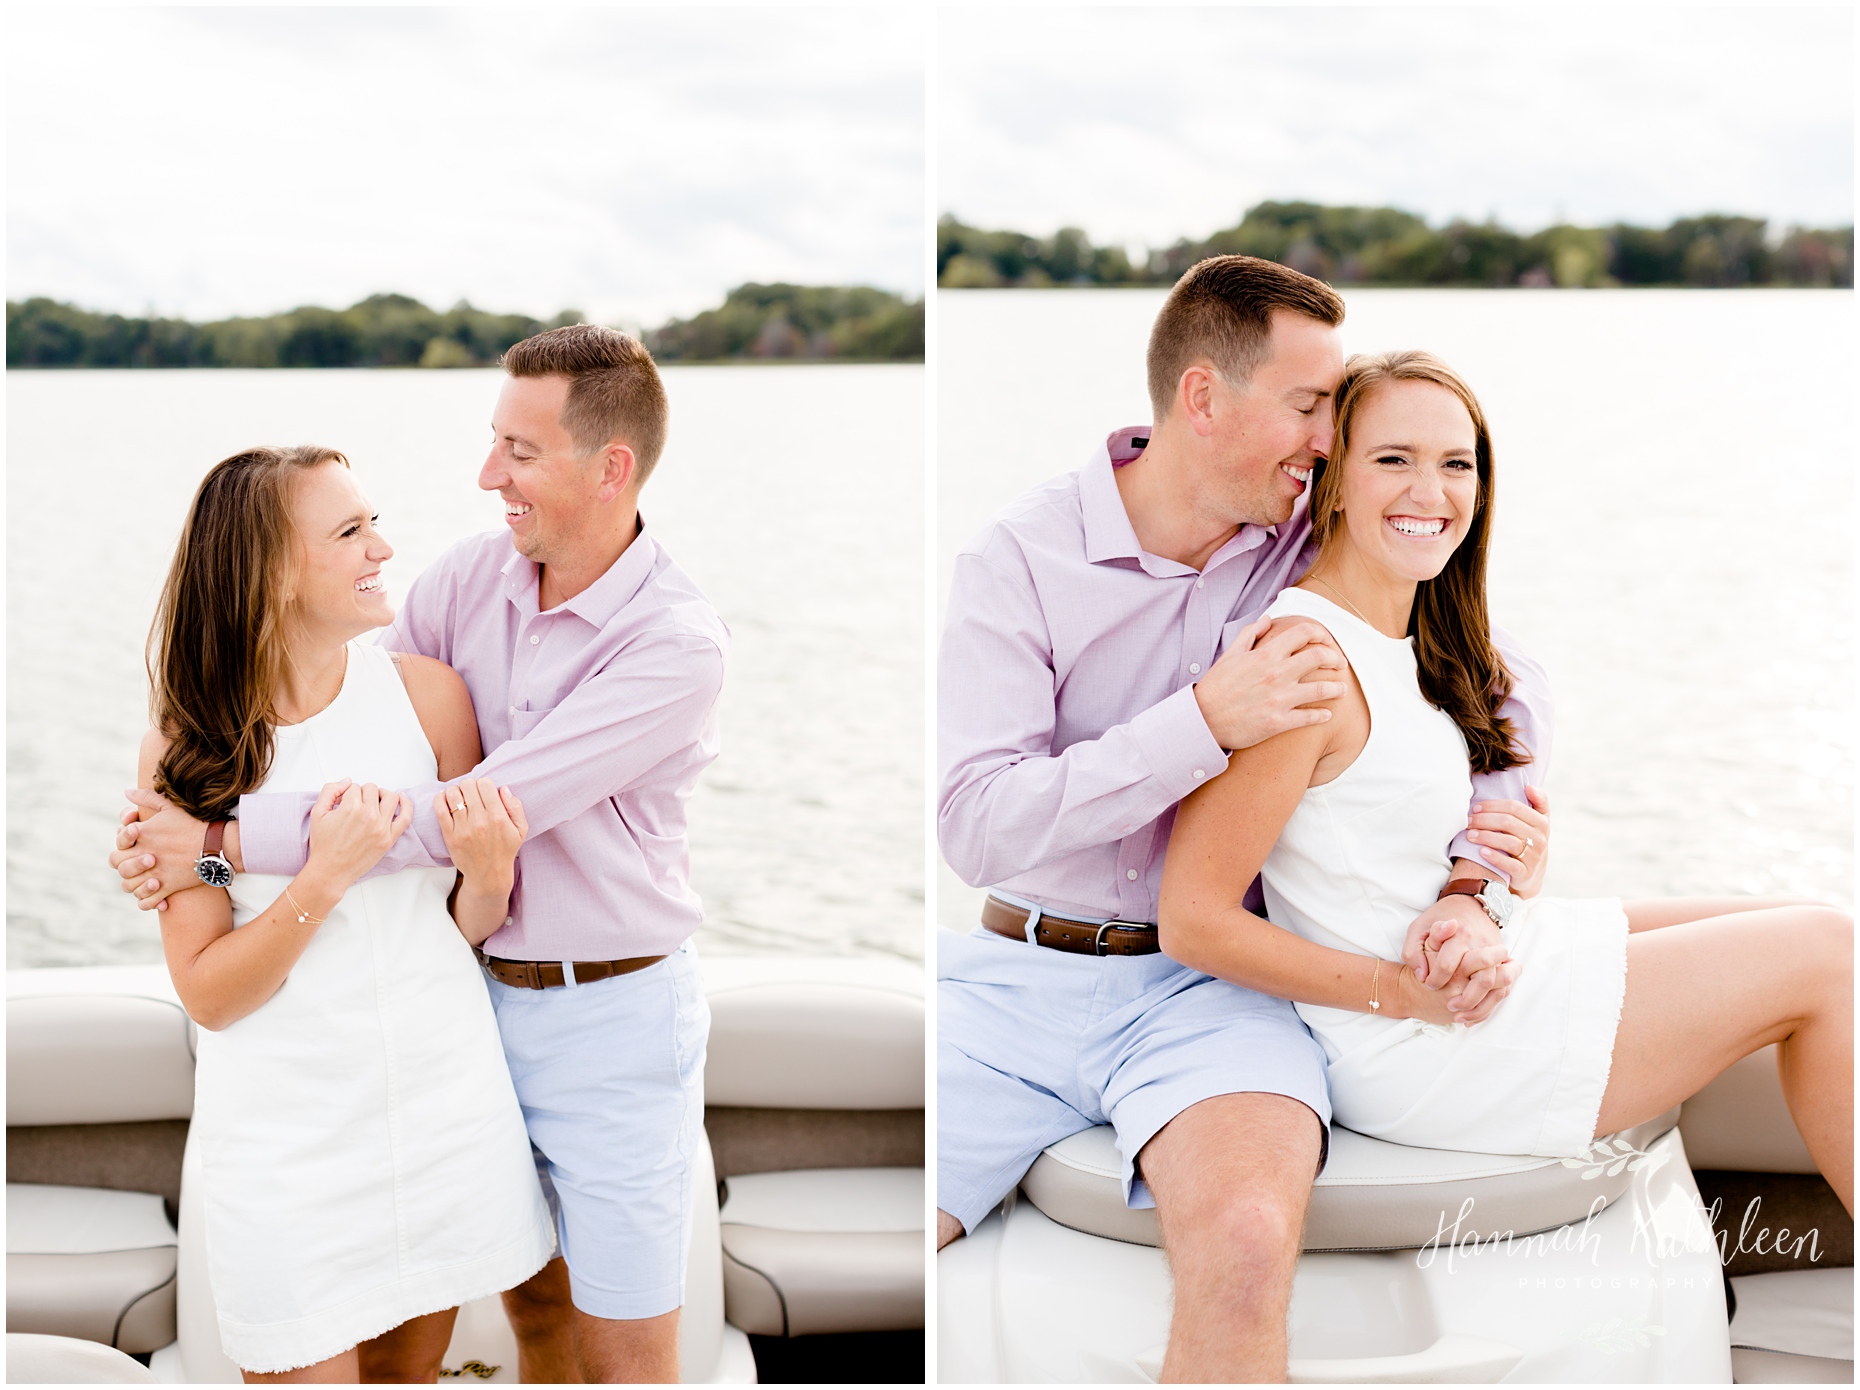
(1644, 914)
(411, 1354)
(340, 1369)
(1702, 994)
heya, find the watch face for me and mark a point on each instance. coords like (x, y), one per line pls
(214, 871)
(1498, 902)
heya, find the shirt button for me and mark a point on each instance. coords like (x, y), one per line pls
(510, 921)
(1201, 583)
(1199, 774)
(1194, 668)
(1130, 874)
(513, 709)
(534, 639)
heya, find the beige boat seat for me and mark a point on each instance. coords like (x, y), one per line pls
(1372, 1195)
(1794, 1327)
(829, 1248)
(36, 1359)
(90, 1263)
(824, 1250)
(97, 1059)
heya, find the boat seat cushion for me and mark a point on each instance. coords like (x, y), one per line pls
(1796, 1312)
(97, 1059)
(824, 1250)
(802, 1045)
(1372, 1195)
(90, 1263)
(34, 1359)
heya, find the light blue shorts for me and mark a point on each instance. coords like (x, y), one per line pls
(611, 1079)
(1035, 1044)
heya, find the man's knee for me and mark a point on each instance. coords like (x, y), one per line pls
(1247, 1231)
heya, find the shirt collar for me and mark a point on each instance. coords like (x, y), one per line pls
(1108, 532)
(600, 601)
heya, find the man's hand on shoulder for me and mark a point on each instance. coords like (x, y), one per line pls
(1269, 681)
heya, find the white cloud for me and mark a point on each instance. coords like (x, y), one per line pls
(633, 163)
(1144, 125)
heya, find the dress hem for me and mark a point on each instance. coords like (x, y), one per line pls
(362, 1318)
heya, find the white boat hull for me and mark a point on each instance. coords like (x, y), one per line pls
(1636, 1295)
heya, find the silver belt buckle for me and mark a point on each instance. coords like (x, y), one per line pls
(1097, 942)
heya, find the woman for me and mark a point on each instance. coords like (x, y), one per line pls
(1619, 1011)
(364, 1160)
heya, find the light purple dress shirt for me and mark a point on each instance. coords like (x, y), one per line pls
(1067, 722)
(599, 714)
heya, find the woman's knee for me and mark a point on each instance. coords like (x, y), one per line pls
(1824, 938)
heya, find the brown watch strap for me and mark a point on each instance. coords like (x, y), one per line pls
(216, 836)
(1471, 887)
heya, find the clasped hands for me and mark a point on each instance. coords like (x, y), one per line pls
(1456, 951)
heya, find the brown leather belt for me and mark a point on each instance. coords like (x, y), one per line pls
(547, 974)
(1064, 934)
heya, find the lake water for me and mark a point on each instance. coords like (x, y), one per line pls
(1674, 542)
(792, 494)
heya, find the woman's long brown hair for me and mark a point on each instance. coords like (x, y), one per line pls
(1460, 671)
(216, 651)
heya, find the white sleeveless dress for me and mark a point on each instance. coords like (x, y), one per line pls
(364, 1157)
(1361, 858)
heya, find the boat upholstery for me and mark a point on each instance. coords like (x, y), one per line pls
(814, 1046)
(92, 1264)
(97, 1059)
(824, 1250)
(822, 1218)
(34, 1359)
(1741, 1122)
(748, 1139)
(1794, 1327)
(1371, 1195)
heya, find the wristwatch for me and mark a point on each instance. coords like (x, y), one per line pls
(214, 868)
(1493, 894)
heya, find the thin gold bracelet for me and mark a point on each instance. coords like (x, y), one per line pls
(1375, 989)
(303, 916)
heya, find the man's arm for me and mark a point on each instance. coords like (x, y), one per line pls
(1533, 717)
(1009, 802)
(652, 699)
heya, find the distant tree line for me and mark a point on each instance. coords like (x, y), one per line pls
(856, 324)
(1385, 246)
(393, 330)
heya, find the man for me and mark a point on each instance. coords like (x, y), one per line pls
(595, 667)
(1100, 655)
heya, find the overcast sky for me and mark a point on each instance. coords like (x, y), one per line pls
(1145, 125)
(632, 163)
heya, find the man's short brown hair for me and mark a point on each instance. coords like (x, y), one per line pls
(1221, 312)
(614, 391)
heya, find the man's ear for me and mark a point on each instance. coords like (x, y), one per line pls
(1194, 398)
(619, 468)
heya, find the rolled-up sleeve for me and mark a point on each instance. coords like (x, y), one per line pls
(1008, 801)
(1533, 716)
